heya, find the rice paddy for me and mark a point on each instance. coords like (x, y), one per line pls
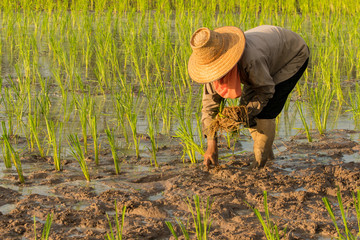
(96, 92)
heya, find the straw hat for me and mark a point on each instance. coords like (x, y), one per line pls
(215, 52)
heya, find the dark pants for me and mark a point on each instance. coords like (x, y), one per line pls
(282, 91)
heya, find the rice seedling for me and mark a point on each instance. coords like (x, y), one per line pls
(119, 225)
(37, 105)
(69, 63)
(354, 102)
(88, 52)
(187, 141)
(202, 221)
(120, 114)
(164, 105)
(55, 141)
(5, 149)
(94, 134)
(83, 107)
(346, 232)
(321, 98)
(270, 229)
(33, 125)
(78, 154)
(92, 119)
(13, 154)
(201, 216)
(187, 138)
(9, 104)
(132, 119)
(56, 75)
(303, 120)
(151, 132)
(6, 155)
(228, 139)
(111, 137)
(46, 229)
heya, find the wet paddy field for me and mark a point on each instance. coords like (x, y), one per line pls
(296, 181)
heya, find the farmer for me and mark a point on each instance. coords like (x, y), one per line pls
(267, 60)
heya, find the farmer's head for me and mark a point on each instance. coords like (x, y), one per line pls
(215, 52)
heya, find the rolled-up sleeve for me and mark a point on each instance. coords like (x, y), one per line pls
(211, 102)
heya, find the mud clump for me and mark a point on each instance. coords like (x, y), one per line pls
(229, 120)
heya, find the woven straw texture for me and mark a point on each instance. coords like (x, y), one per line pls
(215, 52)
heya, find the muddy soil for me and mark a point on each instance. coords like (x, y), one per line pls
(296, 181)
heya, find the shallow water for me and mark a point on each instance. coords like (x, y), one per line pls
(7, 208)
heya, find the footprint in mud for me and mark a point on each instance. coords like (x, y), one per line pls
(8, 196)
(38, 175)
(153, 178)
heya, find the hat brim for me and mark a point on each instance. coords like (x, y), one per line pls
(234, 44)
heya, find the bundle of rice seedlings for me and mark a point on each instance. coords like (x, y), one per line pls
(229, 120)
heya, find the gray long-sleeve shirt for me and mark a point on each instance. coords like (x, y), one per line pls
(271, 55)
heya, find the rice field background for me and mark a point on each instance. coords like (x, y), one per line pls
(96, 98)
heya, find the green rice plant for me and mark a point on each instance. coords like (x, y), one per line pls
(164, 105)
(201, 218)
(341, 235)
(320, 99)
(101, 61)
(5, 149)
(36, 106)
(354, 102)
(88, 53)
(228, 139)
(33, 125)
(46, 230)
(119, 226)
(94, 134)
(55, 142)
(6, 155)
(132, 119)
(69, 63)
(199, 129)
(83, 107)
(151, 132)
(92, 119)
(270, 229)
(43, 99)
(186, 136)
(173, 232)
(120, 114)
(356, 201)
(113, 147)
(303, 120)
(64, 93)
(10, 109)
(14, 156)
(187, 141)
(78, 154)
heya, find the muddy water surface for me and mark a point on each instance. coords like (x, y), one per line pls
(296, 181)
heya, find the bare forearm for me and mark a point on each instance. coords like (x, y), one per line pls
(211, 154)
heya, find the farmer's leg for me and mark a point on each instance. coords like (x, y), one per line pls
(282, 91)
(263, 133)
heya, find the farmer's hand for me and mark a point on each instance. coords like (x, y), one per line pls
(211, 154)
(253, 109)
